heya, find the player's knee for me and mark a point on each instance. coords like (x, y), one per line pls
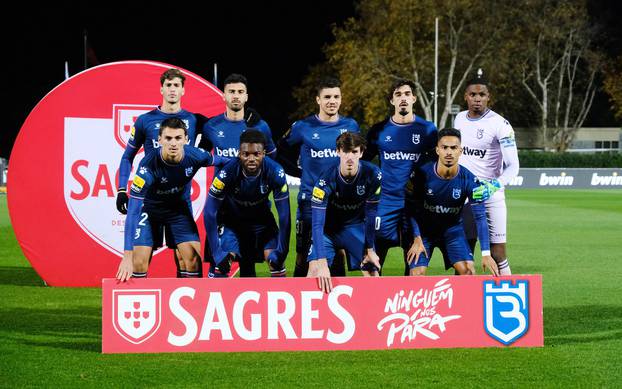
(497, 251)
(418, 271)
(463, 270)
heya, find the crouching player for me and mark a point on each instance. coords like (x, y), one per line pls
(438, 191)
(157, 202)
(248, 232)
(344, 203)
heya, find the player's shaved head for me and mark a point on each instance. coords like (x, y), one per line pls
(170, 74)
(253, 135)
(348, 141)
(175, 123)
(479, 80)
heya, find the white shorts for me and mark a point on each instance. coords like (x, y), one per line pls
(496, 213)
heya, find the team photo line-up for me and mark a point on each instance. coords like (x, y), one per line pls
(432, 189)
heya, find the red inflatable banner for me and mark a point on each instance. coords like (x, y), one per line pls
(64, 169)
(221, 315)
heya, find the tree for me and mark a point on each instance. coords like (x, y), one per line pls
(393, 39)
(613, 85)
(559, 66)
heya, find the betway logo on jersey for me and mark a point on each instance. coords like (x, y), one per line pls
(401, 156)
(473, 152)
(347, 207)
(562, 180)
(326, 153)
(91, 160)
(176, 315)
(231, 152)
(613, 180)
(440, 209)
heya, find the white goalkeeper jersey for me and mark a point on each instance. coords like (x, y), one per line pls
(489, 146)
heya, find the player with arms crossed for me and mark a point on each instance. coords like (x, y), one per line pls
(145, 133)
(401, 142)
(248, 231)
(436, 197)
(316, 136)
(158, 202)
(490, 153)
(222, 133)
(344, 203)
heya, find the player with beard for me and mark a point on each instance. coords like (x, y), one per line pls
(490, 153)
(315, 137)
(401, 143)
(222, 133)
(248, 233)
(145, 134)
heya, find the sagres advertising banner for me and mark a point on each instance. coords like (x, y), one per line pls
(218, 315)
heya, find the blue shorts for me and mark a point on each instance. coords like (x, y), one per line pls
(178, 223)
(350, 238)
(452, 242)
(248, 242)
(391, 225)
(303, 227)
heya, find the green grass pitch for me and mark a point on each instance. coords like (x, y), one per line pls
(52, 336)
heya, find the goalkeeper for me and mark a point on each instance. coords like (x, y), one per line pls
(435, 197)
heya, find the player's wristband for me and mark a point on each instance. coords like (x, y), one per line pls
(485, 253)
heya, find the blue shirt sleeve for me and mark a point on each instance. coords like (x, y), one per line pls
(371, 208)
(140, 186)
(282, 208)
(319, 202)
(137, 138)
(270, 146)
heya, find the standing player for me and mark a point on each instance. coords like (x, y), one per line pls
(439, 190)
(158, 201)
(145, 133)
(401, 143)
(248, 231)
(316, 136)
(490, 153)
(222, 133)
(345, 199)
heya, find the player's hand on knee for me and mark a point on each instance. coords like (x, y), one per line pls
(489, 263)
(126, 267)
(371, 261)
(415, 251)
(122, 201)
(319, 269)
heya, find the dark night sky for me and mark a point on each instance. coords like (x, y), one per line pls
(253, 39)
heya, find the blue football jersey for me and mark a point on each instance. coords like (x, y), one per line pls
(247, 197)
(163, 184)
(224, 135)
(317, 147)
(145, 133)
(437, 201)
(345, 201)
(400, 147)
